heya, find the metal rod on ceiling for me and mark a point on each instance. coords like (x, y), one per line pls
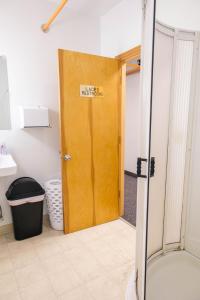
(45, 27)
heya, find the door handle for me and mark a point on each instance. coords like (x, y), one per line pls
(152, 170)
(67, 157)
(139, 167)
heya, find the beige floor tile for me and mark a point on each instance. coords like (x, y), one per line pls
(75, 255)
(8, 284)
(123, 246)
(5, 265)
(3, 240)
(103, 229)
(87, 235)
(29, 275)
(9, 237)
(23, 256)
(39, 238)
(70, 242)
(85, 264)
(115, 235)
(120, 243)
(47, 236)
(96, 246)
(110, 259)
(4, 250)
(11, 296)
(105, 288)
(46, 227)
(55, 264)
(127, 252)
(23, 245)
(130, 236)
(23, 260)
(47, 249)
(64, 280)
(130, 228)
(89, 268)
(121, 275)
(80, 293)
(110, 239)
(119, 226)
(40, 290)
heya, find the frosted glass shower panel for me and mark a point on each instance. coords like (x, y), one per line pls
(178, 127)
(164, 45)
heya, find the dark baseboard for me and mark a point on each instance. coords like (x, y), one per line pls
(130, 174)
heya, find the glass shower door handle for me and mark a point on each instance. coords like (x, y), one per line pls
(152, 166)
(140, 160)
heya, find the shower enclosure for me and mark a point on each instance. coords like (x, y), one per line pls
(174, 194)
(172, 241)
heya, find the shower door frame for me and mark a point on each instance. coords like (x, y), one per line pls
(142, 213)
(145, 128)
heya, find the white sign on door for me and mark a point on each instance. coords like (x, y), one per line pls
(91, 91)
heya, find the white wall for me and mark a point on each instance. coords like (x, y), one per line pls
(121, 30)
(121, 27)
(132, 121)
(33, 79)
(182, 14)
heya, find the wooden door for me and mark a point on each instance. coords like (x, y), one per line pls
(91, 108)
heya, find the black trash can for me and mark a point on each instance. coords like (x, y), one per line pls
(25, 196)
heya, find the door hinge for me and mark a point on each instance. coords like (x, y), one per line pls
(119, 140)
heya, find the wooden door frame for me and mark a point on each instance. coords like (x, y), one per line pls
(124, 58)
(127, 56)
(121, 138)
(61, 97)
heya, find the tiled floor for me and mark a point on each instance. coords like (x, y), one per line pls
(90, 264)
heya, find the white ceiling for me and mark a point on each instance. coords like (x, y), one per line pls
(89, 7)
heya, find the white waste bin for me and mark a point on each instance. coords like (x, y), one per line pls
(53, 190)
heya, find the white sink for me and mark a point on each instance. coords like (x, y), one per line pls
(7, 165)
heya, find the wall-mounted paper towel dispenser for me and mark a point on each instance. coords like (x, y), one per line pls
(34, 116)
